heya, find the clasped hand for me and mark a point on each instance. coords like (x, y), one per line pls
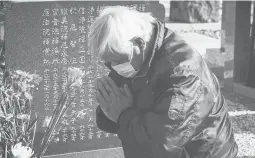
(113, 100)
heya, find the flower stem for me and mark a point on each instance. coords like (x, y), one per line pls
(5, 155)
(34, 133)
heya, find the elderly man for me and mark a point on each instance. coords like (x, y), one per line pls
(159, 97)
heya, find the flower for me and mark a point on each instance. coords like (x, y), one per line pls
(28, 96)
(23, 116)
(19, 151)
(75, 77)
(22, 73)
(36, 79)
(46, 121)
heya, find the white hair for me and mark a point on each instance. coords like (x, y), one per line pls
(116, 26)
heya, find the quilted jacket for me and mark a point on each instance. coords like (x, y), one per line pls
(178, 111)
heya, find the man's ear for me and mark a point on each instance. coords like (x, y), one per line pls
(138, 41)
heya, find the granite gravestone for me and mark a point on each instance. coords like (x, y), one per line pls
(48, 37)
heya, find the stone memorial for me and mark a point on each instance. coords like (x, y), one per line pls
(48, 37)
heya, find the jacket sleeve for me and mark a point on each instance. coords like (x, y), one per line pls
(105, 124)
(179, 112)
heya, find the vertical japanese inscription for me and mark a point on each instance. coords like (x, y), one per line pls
(65, 44)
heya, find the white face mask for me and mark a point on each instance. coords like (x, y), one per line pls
(125, 69)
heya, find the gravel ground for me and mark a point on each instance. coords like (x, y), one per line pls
(210, 33)
(242, 114)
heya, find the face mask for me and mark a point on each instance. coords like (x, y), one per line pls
(125, 69)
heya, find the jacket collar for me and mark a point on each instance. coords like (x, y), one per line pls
(159, 37)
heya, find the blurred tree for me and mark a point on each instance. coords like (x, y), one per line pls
(195, 11)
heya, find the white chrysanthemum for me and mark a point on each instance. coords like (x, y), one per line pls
(19, 151)
(46, 121)
(75, 76)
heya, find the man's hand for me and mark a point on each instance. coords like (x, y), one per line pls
(113, 100)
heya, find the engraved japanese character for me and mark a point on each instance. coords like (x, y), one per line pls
(82, 91)
(91, 19)
(73, 10)
(82, 38)
(82, 136)
(55, 93)
(64, 29)
(82, 49)
(46, 41)
(64, 11)
(64, 61)
(82, 29)
(56, 50)
(55, 61)
(73, 128)
(91, 9)
(55, 11)
(82, 100)
(90, 95)
(55, 21)
(55, 70)
(55, 31)
(82, 10)
(91, 90)
(46, 87)
(46, 32)
(99, 133)
(73, 44)
(82, 126)
(73, 120)
(46, 12)
(55, 40)
(74, 60)
(64, 45)
(107, 134)
(73, 138)
(64, 36)
(82, 20)
(82, 59)
(45, 75)
(55, 81)
(46, 62)
(90, 119)
(64, 20)
(90, 125)
(46, 22)
(46, 96)
(73, 104)
(73, 27)
(90, 136)
(47, 108)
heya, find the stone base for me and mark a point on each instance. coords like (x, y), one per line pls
(102, 153)
(241, 89)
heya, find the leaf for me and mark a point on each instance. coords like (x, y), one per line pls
(3, 110)
(31, 126)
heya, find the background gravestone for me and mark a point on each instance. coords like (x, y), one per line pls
(194, 11)
(48, 37)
